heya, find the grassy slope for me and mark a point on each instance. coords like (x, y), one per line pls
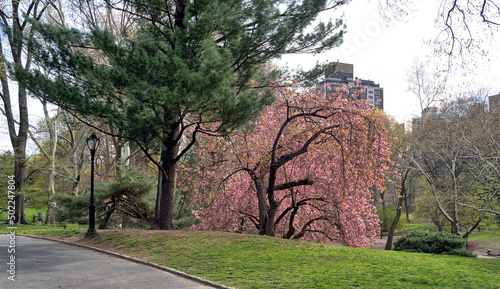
(248, 261)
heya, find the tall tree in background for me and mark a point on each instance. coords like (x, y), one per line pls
(427, 84)
(14, 24)
(49, 152)
(458, 156)
(401, 146)
(190, 65)
(72, 135)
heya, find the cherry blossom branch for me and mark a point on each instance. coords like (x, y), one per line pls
(290, 185)
(306, 225)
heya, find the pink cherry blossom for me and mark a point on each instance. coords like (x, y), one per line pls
(307, 168)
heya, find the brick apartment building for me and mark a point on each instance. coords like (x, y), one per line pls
(344, 75)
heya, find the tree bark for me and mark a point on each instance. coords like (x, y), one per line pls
(455, 228)
(384, 217)
(390, 236)
(51, 158)
(104, 222)
(273, 204)
(262, 203)
(166, 180)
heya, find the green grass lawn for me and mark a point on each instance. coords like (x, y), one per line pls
(28, 214)
(249, 261)
(493, 236)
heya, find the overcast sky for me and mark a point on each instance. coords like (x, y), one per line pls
(380, 51)
(384, 52)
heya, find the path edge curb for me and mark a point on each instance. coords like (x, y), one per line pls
(135, 260)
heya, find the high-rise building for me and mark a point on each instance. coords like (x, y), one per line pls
(494, 102)
(344, 75)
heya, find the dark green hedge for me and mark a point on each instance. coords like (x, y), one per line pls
(435, 243)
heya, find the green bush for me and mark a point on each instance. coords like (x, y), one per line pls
(433, 242)
(126, 197)
(72, 209)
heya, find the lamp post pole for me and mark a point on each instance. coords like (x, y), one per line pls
(93, 144)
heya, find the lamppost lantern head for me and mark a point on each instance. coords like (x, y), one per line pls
(93, 142)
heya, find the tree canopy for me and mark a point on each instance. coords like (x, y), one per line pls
(458, 155)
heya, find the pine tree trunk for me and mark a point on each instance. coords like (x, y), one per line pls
(104, 222)
(166, 181)
(165, 194)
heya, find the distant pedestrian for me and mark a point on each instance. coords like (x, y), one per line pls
(40, 217)
(34, 218)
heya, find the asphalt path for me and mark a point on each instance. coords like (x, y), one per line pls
(41, 264)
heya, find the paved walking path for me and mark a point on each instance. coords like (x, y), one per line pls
(44, 264)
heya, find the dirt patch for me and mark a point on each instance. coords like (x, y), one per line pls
(481, 248)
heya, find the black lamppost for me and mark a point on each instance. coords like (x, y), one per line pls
(93, 144)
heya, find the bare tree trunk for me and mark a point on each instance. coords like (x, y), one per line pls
(50, 215)
(390, 236)
(19, 143)
(455, 228)
(51, 157)
(15, 25)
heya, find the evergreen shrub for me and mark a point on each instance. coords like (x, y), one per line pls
(433, 242)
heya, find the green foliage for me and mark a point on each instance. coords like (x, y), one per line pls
(28, 211)
(72, 209)
(435, 243)
(134, 184)
(131, 195)
(6, 169)
(387, 218)
(199, 61)
(34, 194)
(36, 197)
(183, 217)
